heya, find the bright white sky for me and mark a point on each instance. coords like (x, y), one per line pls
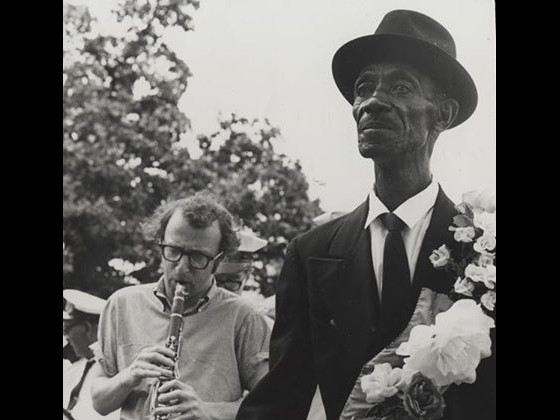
(272, 58)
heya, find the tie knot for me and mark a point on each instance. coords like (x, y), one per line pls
(392, 222)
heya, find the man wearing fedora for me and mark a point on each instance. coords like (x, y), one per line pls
(348, 287)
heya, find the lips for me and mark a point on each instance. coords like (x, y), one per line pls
(375, 125)
(185, 283)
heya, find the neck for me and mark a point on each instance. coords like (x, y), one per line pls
(396, 184)
(191, 301)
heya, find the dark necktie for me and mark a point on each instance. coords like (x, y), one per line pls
(396, 289)
(76, 390)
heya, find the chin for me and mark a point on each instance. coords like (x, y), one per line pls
(188, 286)
(370, 151)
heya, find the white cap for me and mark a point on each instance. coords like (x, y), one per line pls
(328, 216)
(232, 267)
(250, 242)
(76, 300)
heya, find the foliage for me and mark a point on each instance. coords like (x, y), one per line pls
(122, 153)
(264, 189)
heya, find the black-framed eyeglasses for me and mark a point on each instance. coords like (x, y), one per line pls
(196, 259)
(231, 285)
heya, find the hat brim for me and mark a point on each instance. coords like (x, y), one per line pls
(446, 71)
(232, 267)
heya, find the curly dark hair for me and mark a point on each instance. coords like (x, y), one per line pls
(201, 210)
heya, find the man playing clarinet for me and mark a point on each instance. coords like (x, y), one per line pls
(223, 348)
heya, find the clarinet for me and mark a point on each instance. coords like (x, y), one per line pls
(172, 343)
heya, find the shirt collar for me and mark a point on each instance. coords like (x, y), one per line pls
(410, 212)
(159, 292)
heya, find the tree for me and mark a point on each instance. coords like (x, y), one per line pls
(113, 137)
(265, 190)
(122, 153)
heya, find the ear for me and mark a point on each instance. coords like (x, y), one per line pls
(448, 110)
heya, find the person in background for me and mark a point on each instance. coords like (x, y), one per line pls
(232, 272)
(80, 319)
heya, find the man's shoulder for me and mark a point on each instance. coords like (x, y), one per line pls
(238, 306)
(132, 292)
(235, 301)
(319, 238)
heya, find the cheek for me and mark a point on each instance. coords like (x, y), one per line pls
(356, 111)
(201, 277)
(417, 120)
(71, 336)
(423, 115)
(166, 267)
(76, 337)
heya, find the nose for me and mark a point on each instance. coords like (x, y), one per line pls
(183, 266)
(376, 103)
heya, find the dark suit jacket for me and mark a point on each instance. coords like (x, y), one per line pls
(327, 311)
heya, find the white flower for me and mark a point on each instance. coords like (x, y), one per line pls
(486, 274)
(464, 317)
(490, 276)
(450, 351)
(488, 299)
(464, 286)
(480, 200)
(475, 273)
(485, 259)
(485, 243)
(485, 221)
(463, 234)
(384, 382)
(462, 208)
(440, 257)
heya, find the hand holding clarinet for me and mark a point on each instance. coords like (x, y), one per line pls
(159, 361)
(172, 399)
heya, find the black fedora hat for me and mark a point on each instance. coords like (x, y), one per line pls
(416, 39)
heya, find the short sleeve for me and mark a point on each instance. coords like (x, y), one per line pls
(252, 343)
(106, 351)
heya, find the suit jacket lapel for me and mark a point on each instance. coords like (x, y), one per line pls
(347, 281)
(437, 234)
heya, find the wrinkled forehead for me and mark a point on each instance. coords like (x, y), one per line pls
(396, 70)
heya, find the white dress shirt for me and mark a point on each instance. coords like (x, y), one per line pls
(83, 410)
(416, 213)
